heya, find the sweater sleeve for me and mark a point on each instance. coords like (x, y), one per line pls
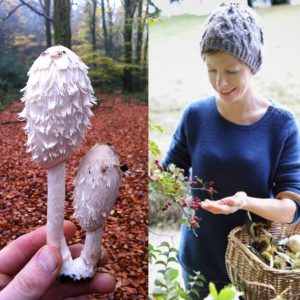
(287, 178)
(178, 152)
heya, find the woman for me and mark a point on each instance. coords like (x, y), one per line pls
(248, 145)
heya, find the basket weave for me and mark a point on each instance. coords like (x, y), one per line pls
(261, 281)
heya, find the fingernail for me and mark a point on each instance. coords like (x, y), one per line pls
(47, 260)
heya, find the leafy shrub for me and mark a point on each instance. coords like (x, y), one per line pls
(167, 284)
(12, 72)
(105, 73)
(139, 76)
(12, 76)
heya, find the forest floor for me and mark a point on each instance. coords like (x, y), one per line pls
(23, 190)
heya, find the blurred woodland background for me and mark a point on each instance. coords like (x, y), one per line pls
(110, 36)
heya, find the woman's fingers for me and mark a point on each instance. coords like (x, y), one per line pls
(15, 255)
(216, 207)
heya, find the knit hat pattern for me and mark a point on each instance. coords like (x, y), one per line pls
(235, 30)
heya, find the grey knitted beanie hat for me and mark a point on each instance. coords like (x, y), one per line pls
(235, 30)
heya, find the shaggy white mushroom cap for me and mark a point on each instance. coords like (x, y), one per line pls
(96, 186)
(58, 97)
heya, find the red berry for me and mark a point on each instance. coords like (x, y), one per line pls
(166, 205)
(158, 165)
(194, 223)
(210, 191)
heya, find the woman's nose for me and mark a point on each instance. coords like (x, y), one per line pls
(221, 81)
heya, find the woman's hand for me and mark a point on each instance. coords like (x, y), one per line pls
(226, 205)
(29, 269)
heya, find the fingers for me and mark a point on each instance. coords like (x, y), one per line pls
(101, 283)
(36, 277)
(15, 255)
(83, 297)
(4, 280)
(216, 207)
(228, 201)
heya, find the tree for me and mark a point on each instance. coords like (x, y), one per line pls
(106, 46)
(110, 13)
(145, 52)
(45, 13)
(46, 7)
(129, 8)
(62, 23)
(140, 31)
(93, 23)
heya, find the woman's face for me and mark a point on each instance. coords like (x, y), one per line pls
(229, 77)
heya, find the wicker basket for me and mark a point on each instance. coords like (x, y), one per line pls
(261, 282)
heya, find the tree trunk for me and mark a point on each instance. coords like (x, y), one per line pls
(110, 13)
(47, 4)
(62, 23)
(140, 29)
(129, 6)
(93, 25)
(144, 54)
(104, 28)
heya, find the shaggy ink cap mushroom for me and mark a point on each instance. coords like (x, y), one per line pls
(96, 187)
(57, 106)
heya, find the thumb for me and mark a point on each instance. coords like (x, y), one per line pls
(36, 277)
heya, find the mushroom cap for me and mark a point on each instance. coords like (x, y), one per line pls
(96, 186)
(294, 243)
(58, 97)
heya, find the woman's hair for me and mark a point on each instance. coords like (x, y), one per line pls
(235, 30)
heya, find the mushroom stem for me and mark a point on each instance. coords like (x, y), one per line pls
(56, 210)
(91, 252)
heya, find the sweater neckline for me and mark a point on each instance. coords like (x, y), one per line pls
(240, 126)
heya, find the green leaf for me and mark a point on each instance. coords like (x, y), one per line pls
(213, 291)
(183, 293)
(159, 283)
(173, 250)
(159, 294)
(170, 259)
(199, 283)
(158, 128)
(195, 292)
(154, 148)
(228, 293)
(162, 271)
(164, 244)
(184, 221)
(171, 274)
(150, 247)
(161, 262)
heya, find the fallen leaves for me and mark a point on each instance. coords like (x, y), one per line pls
(23, 191)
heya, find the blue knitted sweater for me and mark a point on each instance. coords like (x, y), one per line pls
(262, 159)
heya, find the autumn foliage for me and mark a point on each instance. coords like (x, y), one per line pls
(23, 190)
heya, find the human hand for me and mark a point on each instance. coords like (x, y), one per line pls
(29, 269)
(226, 205)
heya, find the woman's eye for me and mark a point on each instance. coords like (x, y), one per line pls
(211, 71)
(232, 71)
